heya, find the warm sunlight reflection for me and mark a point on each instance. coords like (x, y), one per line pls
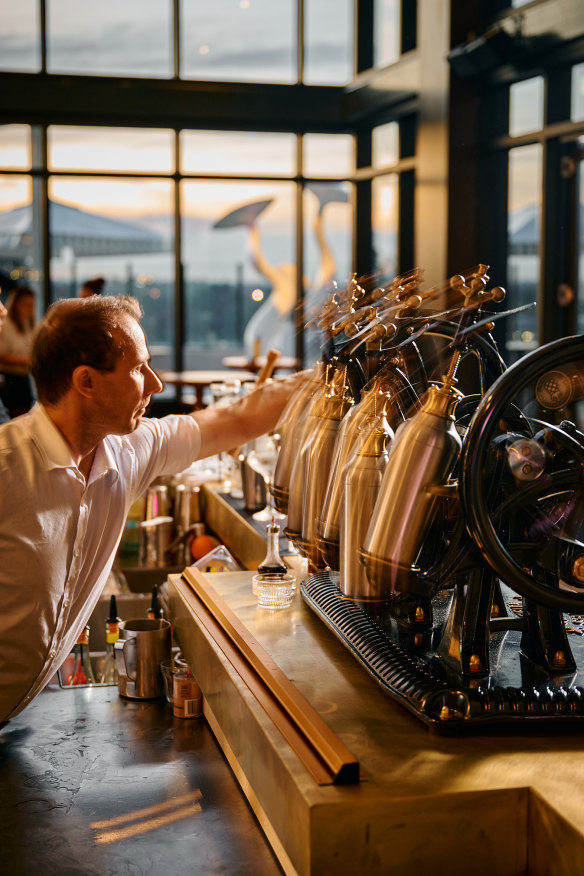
(141, 821)
(122, 149)
(114, 197)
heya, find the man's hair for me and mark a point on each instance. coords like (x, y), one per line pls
(74, 332)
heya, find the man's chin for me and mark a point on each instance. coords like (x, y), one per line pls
(138, 417)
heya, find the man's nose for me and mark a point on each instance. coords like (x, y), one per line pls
(153, 382)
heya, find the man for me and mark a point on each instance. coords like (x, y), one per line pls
(71, 468)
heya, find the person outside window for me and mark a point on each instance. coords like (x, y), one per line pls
(92, 287)
(15, 349)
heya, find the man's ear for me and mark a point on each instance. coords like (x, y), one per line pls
(83, 380)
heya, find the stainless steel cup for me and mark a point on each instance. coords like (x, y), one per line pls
(156, 504)
(187, 512)
(187, 507)
(157, 501)
(253, 486)
(142, 646)
(156, 538)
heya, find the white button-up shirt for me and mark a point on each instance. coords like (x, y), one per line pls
(59, 535)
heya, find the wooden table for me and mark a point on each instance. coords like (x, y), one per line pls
(200, 380)
(284, 363)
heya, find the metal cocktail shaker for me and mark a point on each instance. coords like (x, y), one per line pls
(292, 429)
(422, 458)
(361, 477)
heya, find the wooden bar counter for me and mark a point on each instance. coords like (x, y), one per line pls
(507, 803)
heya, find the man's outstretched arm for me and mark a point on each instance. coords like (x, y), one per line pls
(223, 428)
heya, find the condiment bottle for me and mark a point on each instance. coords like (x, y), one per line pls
(82, 668)
(109, 673)
(273, 564)
(155, 610)
(187, 699)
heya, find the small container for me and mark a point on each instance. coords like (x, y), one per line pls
(274, 591)
(169, 669)
(187, 699)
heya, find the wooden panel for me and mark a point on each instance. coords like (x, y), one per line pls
(322, 753)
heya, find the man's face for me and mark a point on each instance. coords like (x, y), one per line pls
(124, 394)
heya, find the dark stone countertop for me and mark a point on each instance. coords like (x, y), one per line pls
(91, 783)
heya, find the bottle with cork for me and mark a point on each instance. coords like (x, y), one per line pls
(272, 564)
(155, 610)
(109, 673)
(82, 668)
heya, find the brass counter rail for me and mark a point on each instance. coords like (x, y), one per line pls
(319, 749)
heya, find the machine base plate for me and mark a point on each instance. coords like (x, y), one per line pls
(408, 666)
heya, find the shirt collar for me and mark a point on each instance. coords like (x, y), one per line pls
(55, 451)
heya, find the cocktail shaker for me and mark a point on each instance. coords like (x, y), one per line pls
(361, 478)
(292, 430)
(422, 458)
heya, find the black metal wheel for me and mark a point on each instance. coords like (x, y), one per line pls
(522, 475)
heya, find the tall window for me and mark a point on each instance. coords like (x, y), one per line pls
(523, 240)
(385, 199)
(20, 239)
(386, 45)
(20, 48)
(242, 41)
(525, 168)
(577, 109)
(113, 194)
(109, 38)
(239, 268)
(226, 40)
(526, 106)
(328, 42)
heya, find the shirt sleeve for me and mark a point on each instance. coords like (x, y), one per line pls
(162, 446)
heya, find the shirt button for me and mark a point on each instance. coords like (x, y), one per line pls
(52, 654)
(66, 603)
(75, 553)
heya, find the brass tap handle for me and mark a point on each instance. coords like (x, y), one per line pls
(268, 367)
(264, 375)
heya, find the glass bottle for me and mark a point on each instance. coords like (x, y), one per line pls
(109, 673)
(155, 610)
(82, 668)
(273, 564)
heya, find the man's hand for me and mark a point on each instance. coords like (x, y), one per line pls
(249, 417)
